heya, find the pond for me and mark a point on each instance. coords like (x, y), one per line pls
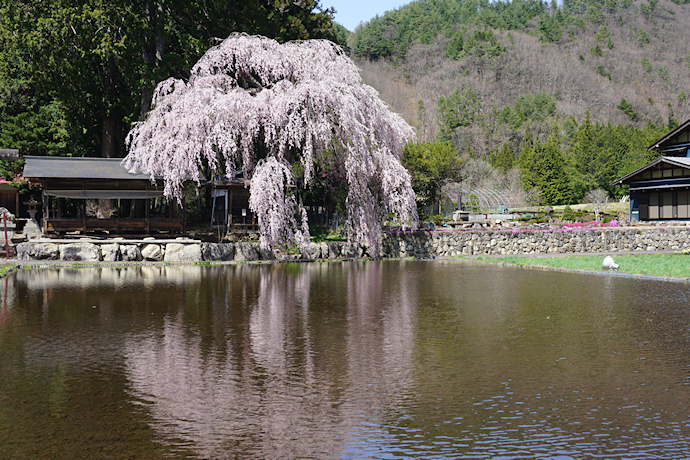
(377, 359)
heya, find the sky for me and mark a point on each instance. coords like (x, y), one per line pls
(351, 12)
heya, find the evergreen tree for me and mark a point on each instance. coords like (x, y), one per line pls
(544, 167)
(628, 109)
(583, 147)
(503, 159)
(460, 109)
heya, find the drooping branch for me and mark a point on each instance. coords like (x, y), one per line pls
(250, 83)
(251, 99)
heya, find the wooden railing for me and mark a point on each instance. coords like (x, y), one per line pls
(91, 225)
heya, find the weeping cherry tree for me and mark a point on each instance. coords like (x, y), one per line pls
(276, 111)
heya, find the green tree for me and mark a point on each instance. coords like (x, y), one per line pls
(432, 166)
(455, 48)
(483, 43)
(460, 109)
(568, 214)
(582, 152)
(672, 122)
(628, 109)
(100, 60)
(550, 27)
(536, 107)
(421, 21)
(503, 159)
(544, 167)
(583, 146)
(602, 34)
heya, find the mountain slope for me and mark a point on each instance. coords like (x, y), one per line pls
(498, 79)
(642, 58)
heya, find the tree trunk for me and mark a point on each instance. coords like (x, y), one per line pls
(156, 48)
(146, 95)
(108, 136)
(110, 122)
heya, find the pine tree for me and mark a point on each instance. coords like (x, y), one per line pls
(504, 158)
(582, 146)
(553, 180)
(544, 167)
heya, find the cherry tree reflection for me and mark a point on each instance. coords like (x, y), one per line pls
(276, 394)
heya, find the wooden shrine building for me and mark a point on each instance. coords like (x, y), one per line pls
(660, 190)
(99, 195)
(230, 204)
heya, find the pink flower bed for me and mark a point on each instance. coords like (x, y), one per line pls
(569, 227)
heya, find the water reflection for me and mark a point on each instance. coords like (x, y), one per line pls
(357, 359)
(110, 277)
(284, 379)
(7, 301)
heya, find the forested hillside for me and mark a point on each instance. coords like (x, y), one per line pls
(589, 84)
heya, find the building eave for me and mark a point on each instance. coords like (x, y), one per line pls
(657, 144)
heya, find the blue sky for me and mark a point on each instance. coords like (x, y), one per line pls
(351, 12)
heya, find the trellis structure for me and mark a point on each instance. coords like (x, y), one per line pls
(487, 201)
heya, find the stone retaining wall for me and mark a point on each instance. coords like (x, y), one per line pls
(174, 251)
(452, 244)
(413, 244)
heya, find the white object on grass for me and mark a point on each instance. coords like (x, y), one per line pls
(609, 263)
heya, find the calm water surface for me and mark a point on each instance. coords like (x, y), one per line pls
(390, 359)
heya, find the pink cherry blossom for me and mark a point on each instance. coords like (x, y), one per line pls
(260, 106)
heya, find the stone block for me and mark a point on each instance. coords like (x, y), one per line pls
(217, 251)
(246, 252)
(333, 250)
(177, 252)
(38, 251)
(353, 250)
(87, 252)
(111, 252)
(323, 249)
(130, 253)
(265, 254)
(311, 251)
(152, 252)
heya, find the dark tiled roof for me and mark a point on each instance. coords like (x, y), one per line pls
(683, 162)
(77, 168)
(660, 144)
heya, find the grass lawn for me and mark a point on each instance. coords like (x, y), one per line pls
(672, 265)
(4, 268)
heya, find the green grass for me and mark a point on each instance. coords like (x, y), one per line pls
(321, 234)
(671, 265)
(4, 268)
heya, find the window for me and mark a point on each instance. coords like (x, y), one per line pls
(654, 205)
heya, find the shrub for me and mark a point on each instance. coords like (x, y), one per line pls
(568, 214)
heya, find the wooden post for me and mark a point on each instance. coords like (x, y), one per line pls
(213, 208)
(228, 208)
(7, 242)
(44, 199)
(183, 211)
(147, 204)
